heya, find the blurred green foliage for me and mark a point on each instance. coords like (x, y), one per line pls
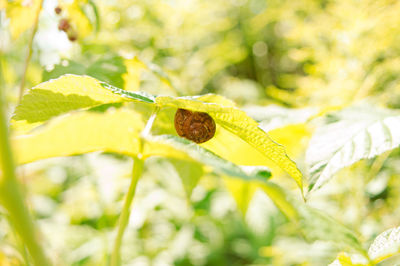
(307, 53)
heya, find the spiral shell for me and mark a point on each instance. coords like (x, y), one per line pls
(195, 126)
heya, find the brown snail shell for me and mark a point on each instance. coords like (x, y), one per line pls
(195, 126)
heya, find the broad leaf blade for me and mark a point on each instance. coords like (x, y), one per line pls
(21, 15)
(317, 225)
(355, 133)
(386, 245)
(58, 96)
(81, 132)
(274, 116)
(237, 135)
(68, 93)
(241, 191)
(174, 147)
(190, 173)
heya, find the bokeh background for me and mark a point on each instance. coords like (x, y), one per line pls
(293, 54)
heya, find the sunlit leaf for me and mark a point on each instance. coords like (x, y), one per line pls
(238, 137)
(294, 137)
(274, 116)
(68, 93)
(385, 245)
(190, 173)
(81, 132)
(134, 68)
(241, 191)
(79, 21)
(344, 260)
(70, 67)
(171, 146)
(355, 133)
(3, 4)
(163, 146)
(22, 15)
(109, 69)
(317, 225)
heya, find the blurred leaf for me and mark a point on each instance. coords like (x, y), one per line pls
(134, 68)
(22, 15)
(317, 225)
(241, 191)
(274, 116)
(385, 245)
(344, 260)
(107, 69)
(233, 120)
(294, 137)
(72, 67)
(81, 132)
(79, 21)
(190, 173)
(96, 14)
(358, 132)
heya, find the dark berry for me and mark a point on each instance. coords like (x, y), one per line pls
(64, 25)
(57, 10)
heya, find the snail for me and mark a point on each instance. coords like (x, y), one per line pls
(195, 126)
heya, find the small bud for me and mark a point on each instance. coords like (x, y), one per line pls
(72, 37)
(64, 25)
(57, 10)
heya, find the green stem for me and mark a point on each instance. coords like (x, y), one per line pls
(124, 218)
(138, 163)
(12, 198)
(29, 55)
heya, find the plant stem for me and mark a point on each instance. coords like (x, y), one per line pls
(124, 218)
(11, 196)
(138, 163)
(29, 54)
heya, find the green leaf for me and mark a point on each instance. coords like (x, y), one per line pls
(358, 132)
(190, 173)
(71, 67)
(274, 116)
(165, 144)
(317, 225)
(238, 138)
(22, 15)
(136, 96)
(109, 69)
(81, 132)
(174, 147)
(386, 245)
(68, 93)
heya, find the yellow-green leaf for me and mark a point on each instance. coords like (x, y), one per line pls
(22, 15)
(238, 137)
(77, 17)
(81, 132)
(241, 191)
(65, 94)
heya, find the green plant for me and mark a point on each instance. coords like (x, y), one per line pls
(258, 55)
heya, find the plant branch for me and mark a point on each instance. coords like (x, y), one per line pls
(138, 163)
(11, 196)
(124, 218)
(29, 54)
